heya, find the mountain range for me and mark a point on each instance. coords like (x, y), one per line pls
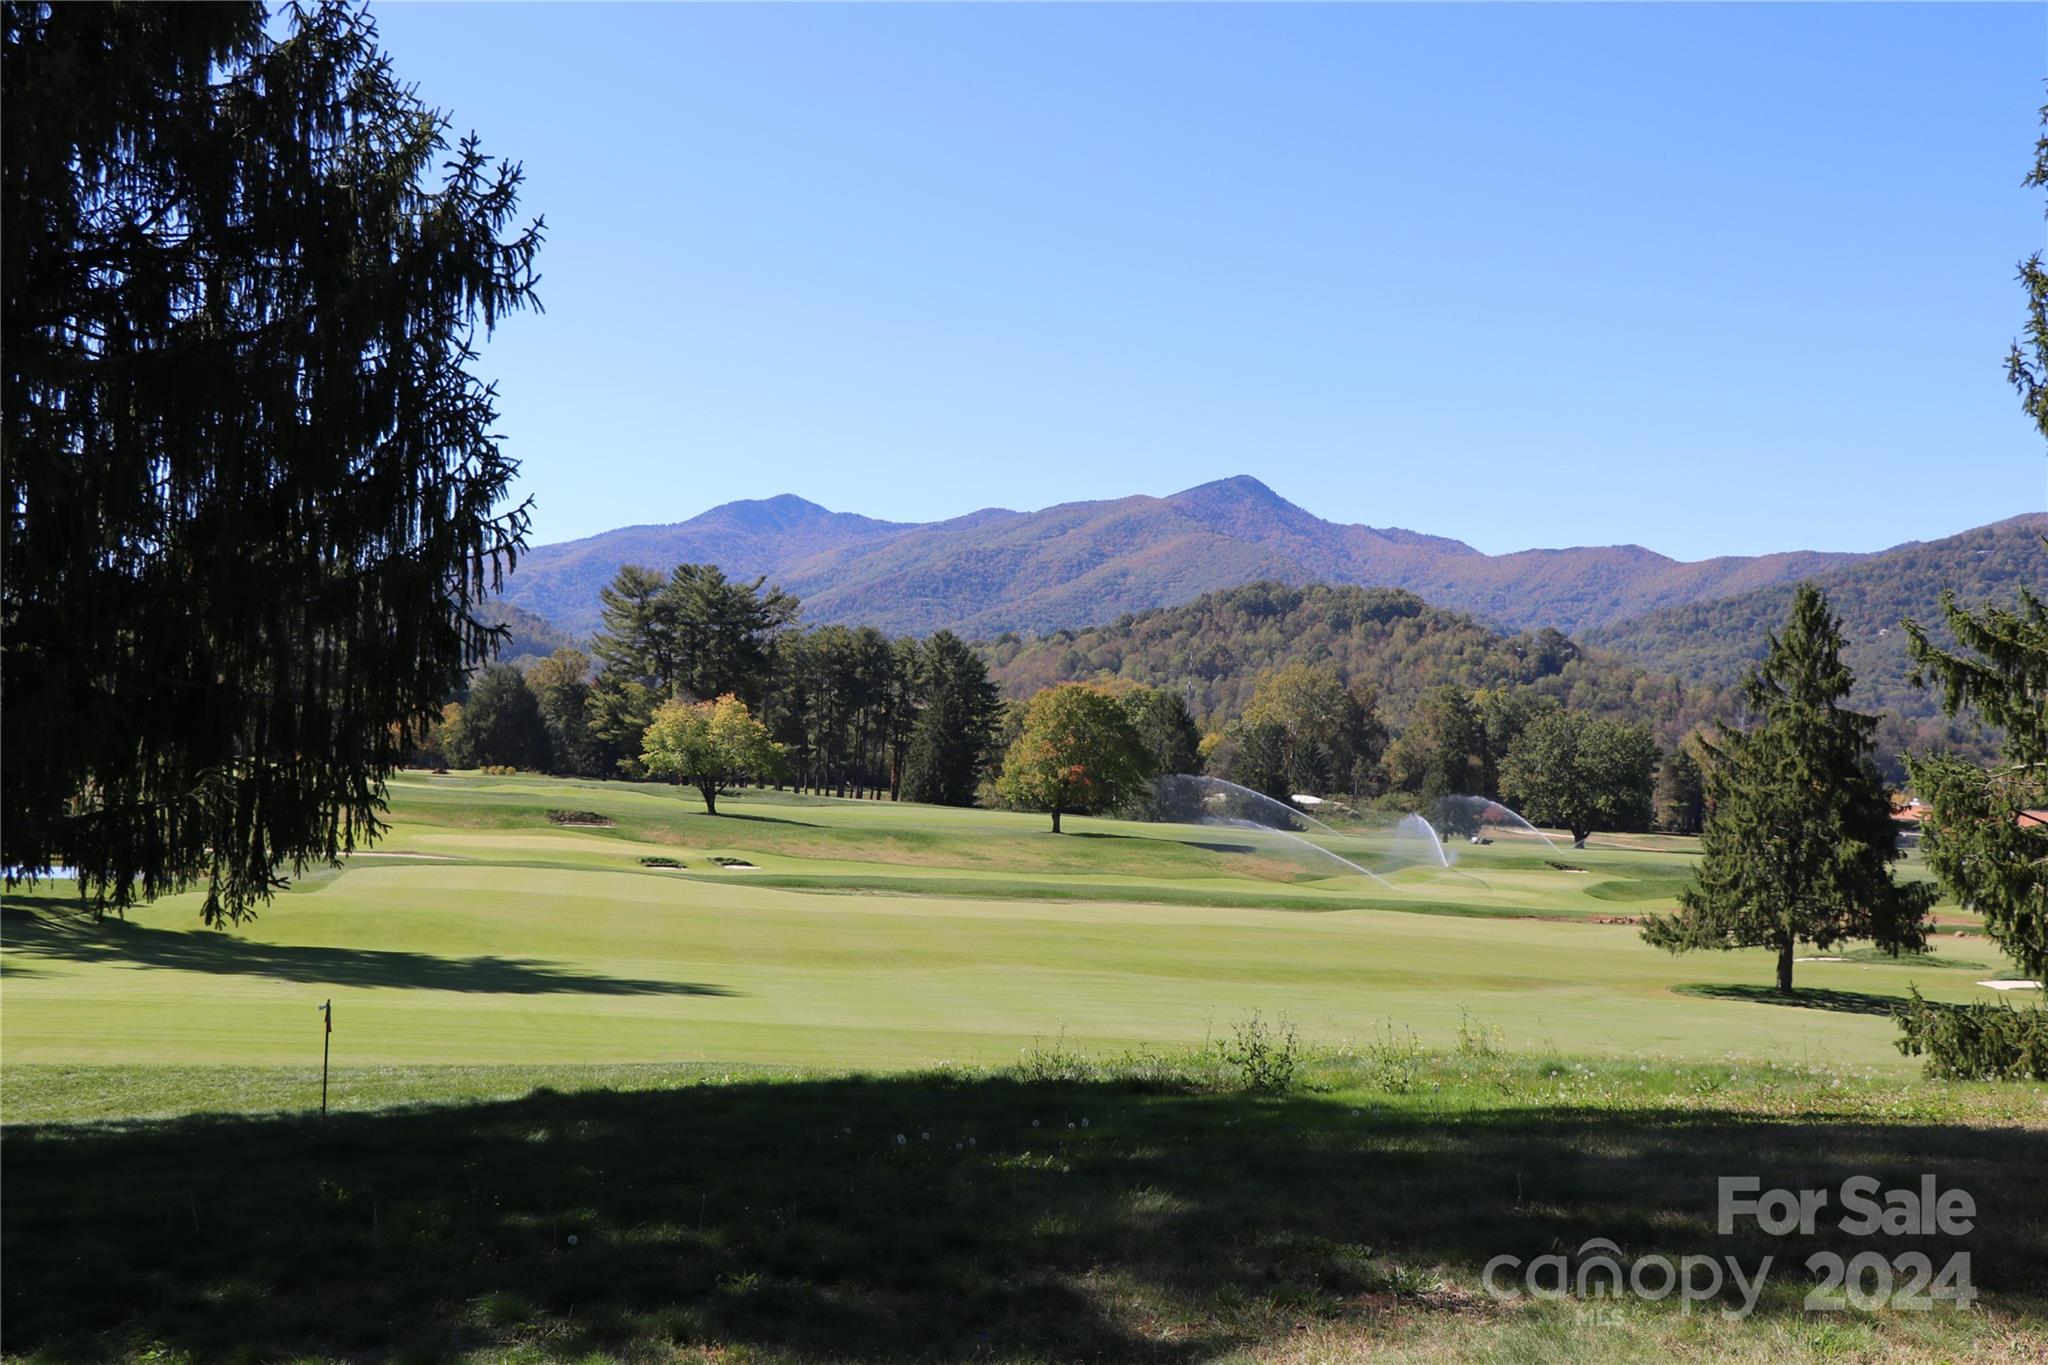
(1081, 563)
(1714, 641)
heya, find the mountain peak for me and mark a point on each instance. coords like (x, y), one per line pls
(1245, 509)
(779, 513)
(1239, 486)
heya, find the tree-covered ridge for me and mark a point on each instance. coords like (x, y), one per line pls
(1214, 648)
(529, 636)
(1714, 642)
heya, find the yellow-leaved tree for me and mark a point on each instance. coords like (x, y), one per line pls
(710, 744)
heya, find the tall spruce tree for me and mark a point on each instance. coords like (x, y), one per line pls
(250, 478)
(1799, 839)
(1986, 837)
(1986, 840)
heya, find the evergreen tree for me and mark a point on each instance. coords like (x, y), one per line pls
(1986, 835)
(723, 631)
(249, 475)
(1168, 731)
(1799, 839)
(1443, 750)
(901, 699)
(638, 640)
(693, 633)
(617, 711)
(950, 743)
(1987, 839)
(1254, 755)
(502, 724)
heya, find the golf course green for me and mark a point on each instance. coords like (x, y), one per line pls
(503, 920)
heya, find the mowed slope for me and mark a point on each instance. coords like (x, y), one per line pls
(483, 934)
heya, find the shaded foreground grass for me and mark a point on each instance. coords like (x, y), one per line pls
(1068, 1211)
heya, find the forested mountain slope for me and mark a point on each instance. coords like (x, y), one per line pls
(1080, 563)
(1714, 641)
(1214, 648)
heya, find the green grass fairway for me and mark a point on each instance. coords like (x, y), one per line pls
(479, 933)
(919, 1084)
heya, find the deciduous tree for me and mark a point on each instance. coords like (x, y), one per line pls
(1582, 773)
(709, 744)
(560, 683)
(1323, 736)
(1078, 753)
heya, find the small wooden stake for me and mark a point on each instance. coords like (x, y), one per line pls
(326, 1042)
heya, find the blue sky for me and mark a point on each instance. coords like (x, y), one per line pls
(1712, 279)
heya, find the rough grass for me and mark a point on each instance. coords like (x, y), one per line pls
(1143, 1210)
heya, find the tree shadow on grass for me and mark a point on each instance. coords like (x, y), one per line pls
(31, 933)
(912, 1218)
(1803, 997)
(761, 819)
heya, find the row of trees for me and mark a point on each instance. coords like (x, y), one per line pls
(1305, 731)
(850, 711)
